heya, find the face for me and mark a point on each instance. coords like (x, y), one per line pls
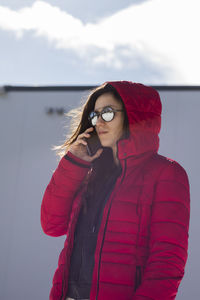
(109, 132)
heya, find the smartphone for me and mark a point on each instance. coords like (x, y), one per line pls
(93, 143)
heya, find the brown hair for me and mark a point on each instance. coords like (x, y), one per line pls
(103, 168)
(87, 108)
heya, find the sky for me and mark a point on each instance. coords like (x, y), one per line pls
(76, 42)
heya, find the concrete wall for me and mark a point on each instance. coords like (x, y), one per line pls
(28, 258)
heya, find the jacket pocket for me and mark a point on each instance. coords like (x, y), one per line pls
(138, 277)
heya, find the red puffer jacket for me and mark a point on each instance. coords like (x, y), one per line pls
(143, 238)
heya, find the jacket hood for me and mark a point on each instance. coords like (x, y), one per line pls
(143, 107)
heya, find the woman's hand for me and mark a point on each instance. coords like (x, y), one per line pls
(79, 147)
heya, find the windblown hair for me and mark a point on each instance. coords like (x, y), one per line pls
(104, 166)
(84, 123)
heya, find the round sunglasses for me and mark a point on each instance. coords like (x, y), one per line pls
(107, 114)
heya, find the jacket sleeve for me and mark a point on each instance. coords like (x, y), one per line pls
(168, 236)
(60, 192)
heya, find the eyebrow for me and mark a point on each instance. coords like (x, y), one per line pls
(101, 108)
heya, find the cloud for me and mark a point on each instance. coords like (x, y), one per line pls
(164, 32)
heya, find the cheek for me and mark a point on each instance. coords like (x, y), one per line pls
(119, 131)
(120, 126)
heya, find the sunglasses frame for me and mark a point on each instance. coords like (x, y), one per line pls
(97, 114)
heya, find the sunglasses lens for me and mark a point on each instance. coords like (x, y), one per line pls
(108, 116)
(93, 118)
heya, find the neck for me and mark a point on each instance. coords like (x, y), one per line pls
(116, 160)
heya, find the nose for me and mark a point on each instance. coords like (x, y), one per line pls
(99, 120)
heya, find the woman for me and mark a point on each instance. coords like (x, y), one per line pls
(125, 209)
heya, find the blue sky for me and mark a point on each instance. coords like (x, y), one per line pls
(88, 42)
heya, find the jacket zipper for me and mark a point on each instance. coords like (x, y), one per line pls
(104, 235)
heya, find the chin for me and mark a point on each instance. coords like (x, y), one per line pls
(106, 144)
(106, 141)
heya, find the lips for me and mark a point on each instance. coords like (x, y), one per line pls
(102, 132)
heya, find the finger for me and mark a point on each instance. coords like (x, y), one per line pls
(81, 141)
(84, 134)
(97, 154)
(90, 129)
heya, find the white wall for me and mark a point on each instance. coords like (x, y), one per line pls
(180, 140)
(28, 257)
